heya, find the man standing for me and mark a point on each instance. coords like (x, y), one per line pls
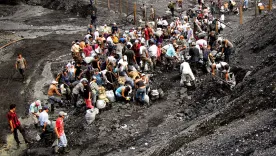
(152, 13)
(171, 7)
(144, 9)
(145, 57)
(35, 109)
(43, 118)
(59, 129)
(16, 125)
(153, 53)
(131, 57)
(21, 65)
(136, 49)
(227, 49)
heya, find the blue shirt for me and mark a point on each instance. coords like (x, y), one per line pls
(171, 52)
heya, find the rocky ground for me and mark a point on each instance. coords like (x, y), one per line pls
(208, 120)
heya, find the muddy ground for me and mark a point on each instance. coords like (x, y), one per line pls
(208, 120)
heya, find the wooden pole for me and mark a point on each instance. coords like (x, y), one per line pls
(270, 5)
(241, 14)
(146, 19)
(134, 8)
(256, 8)
(127, 7)
(108, 4)
(120, 4)
(216, 26)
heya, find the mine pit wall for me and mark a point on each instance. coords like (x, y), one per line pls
(80, 7)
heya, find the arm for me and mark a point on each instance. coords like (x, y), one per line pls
(25, 63)
(98, 63)
(57, 92)
(57, 132)
(44, 126)
(10, 121)
(16, 65)
(123, 93)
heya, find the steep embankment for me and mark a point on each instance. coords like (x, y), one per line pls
(245, 125)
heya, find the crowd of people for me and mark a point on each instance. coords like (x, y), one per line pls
(120, 62)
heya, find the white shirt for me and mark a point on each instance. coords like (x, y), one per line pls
(220, 65)
(153, 50)
(96, 34)
(86, 38)
(141, 49)
(110, 40)
(166, 47)
(43, 117)
(165, 23)
(202, 42)
(185, 68)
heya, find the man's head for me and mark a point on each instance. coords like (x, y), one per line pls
(84, 81)
(46, 108)
(54, 82)
(12, 107)
(19, 55)
(37, 103)
(62, 114)
(128, 46)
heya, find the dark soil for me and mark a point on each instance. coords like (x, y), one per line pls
(210, 119)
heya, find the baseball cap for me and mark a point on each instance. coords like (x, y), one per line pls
(45, 107)
(62, 113)
(37, 102)
(54, 82)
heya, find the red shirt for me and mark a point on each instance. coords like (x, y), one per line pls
(13, 117)
(147, 36)
(136, 49)
(60, 126)
(87, 51)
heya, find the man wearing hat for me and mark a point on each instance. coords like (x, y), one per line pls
(35, 109)
(53, 93)
(59, 129)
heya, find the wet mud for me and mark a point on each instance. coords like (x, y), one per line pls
(210, 119)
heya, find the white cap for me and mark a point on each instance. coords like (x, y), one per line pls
(38, 102)
(54, 82)
(62, 113)
(105, 25)
(114, 23)
(136, 41)
(84, 80)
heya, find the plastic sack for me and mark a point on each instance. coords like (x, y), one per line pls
(101, 104)
(161, 93)
(146, 99)
(88, 59)
(91, 115)
(37, 137)
(62, 89)
(110, 95)
(154, 94)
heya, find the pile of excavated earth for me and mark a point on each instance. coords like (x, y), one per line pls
(211, 119)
